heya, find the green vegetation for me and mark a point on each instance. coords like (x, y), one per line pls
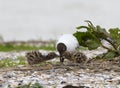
(12, 62)
(118, 81)
(30, 85)
(11, 47)
(20, 60)
(92, 39)
(35, 85)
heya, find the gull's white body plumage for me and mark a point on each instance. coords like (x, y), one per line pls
(70, 41)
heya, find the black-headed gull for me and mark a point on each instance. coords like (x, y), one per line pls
(66, 42)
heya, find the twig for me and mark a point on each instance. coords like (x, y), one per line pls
(115, 48)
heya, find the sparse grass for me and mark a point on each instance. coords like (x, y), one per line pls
(7, 47)
(47, 47)
(10, 47)
(35, 85)
(9, 62)
(20, 60)
(119, 82)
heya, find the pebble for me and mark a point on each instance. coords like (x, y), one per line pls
(9, 74)
(63, 82)
(101, 80)
(57, 78)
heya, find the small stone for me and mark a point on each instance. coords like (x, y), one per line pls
(0, 85)
(10, 75)
(70, 86)
(63, 82)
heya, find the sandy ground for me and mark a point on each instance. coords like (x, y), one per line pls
(95, 73)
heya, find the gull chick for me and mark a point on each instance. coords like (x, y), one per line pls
(66, 42)
(76, 56)
(35, 57)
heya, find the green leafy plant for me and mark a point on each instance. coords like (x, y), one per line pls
(92, 39)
